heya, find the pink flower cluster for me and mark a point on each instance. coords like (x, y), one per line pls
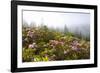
(75, 45)
(30, 34)
(33, 45)
(54, 42)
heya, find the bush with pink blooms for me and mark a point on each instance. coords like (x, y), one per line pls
(44, 44)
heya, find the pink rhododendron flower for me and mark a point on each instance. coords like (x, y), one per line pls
(32, 45)
(30, 34)
(54, 42)
(75, 45)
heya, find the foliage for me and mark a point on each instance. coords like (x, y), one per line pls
(44, 44)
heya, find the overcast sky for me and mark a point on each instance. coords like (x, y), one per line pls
(56, 19)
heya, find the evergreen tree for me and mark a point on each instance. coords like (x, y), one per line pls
(65, 29)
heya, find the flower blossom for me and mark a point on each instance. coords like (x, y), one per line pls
(32, 45)
(54, 42)
(75, 45)
(30, 34)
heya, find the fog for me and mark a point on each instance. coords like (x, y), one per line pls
(75, 22)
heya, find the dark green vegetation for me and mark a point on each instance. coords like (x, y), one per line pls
(45, 44)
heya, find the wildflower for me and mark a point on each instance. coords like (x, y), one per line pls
(54, 43)
(65, 52)
(61, 43)
(75, 45)
(30, 34)
(32, 45)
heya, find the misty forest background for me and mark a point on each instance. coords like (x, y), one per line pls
(43, 43)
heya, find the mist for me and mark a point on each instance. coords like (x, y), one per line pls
(74, 22)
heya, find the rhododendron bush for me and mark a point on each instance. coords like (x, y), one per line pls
(46, 44)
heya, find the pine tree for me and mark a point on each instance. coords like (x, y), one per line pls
(65, 29)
